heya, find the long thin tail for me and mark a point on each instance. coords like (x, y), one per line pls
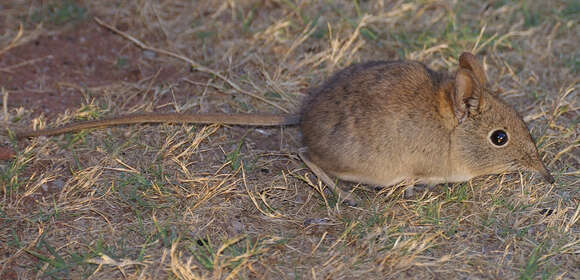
(234, 119)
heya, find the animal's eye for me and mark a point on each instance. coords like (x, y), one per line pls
(498, 137)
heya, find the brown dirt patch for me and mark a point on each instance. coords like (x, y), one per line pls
(59, 66)
(169, 201)
(6, 153)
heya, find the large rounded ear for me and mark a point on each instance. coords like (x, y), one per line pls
(467, 95)
(469, 87)
(469, 62)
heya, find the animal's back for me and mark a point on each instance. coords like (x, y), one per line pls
(363, 124)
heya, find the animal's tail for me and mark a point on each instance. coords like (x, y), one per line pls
(234, 119)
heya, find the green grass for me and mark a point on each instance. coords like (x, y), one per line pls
(209, 202)
(60, 12)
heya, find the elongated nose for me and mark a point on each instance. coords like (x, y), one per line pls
(547, 176)
(542, 170)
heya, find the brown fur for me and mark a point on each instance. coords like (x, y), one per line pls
(386, 122)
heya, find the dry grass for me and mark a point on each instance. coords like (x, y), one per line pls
(195, 202)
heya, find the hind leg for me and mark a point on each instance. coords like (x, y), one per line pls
(327, 180)
(416, 188)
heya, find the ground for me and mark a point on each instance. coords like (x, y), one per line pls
(222, 202)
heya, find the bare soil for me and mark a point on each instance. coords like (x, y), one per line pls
(217, 202)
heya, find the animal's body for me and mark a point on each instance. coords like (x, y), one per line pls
(386, 122)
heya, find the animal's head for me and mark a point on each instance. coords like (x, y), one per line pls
(491, 137)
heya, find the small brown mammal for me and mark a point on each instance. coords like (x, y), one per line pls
(386, 122)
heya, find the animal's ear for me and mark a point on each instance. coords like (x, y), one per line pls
(467, 95)
(469, 62)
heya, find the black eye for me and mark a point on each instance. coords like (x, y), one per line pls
(498, 137)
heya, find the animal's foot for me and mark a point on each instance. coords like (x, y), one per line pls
(350, 202)
(417, 188)
(344, 197)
